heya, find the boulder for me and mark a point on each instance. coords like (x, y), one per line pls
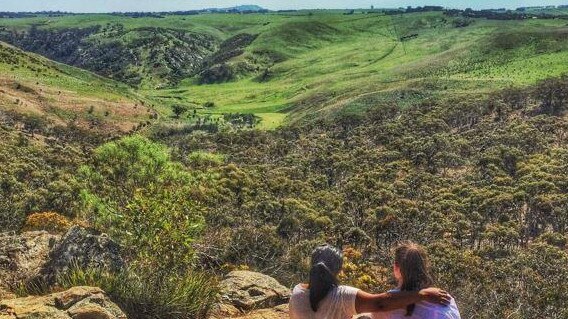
(22, 256)
(75, 303)
(278, 312)
(39, 257)
(68, 298)
(249, 290)
(5, 294)
(223, 310)
(83, 248)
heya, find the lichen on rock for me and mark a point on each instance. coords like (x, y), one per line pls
(247, 290)
(83, 248)
(22, 256)
(75, 303)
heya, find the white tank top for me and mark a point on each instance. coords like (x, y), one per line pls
(338, 304)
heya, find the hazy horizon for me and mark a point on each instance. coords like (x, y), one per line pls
(101, 6)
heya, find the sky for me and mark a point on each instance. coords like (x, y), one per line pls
(174, 5)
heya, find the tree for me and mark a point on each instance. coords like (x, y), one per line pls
(179, 110)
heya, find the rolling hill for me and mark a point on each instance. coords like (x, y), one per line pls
(289, 67)
(448, 128)
(39, 95)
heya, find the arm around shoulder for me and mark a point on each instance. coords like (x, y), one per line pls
(366, 302)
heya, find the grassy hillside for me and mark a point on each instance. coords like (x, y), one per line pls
(37, 93)
(313, 64)
(348, 63)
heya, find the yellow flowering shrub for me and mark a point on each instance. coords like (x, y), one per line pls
(361, 273)
(48, 221)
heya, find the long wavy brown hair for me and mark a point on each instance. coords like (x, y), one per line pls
(412, 260)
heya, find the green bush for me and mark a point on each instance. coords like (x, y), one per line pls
(179, 110)
(35, 177)
(139, 196)
(201, 159)
(147, 294)
(10, 220)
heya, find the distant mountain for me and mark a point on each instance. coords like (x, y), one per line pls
(241, 8)
(249, 8)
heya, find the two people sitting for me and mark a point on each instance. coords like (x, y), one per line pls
(324, 298)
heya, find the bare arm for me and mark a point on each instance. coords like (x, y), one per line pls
(366, 302)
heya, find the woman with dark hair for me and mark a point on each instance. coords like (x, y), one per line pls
(324, 298)
(412, 272)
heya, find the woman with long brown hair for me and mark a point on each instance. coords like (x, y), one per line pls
(412, 272)
(324, 298)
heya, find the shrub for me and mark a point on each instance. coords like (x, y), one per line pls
(10, 220)
(217, 74)
(201, 159)
(462, 22)
(359, 272)
(553, 239)
(139, 196)
(179, 110)
(48, 221)
(145, 293)
(553, 95)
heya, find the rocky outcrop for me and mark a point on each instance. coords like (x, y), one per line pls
(81, 248)
(278, 312)
(5, 294)
(247, 290)
(75, 303)
(222, 311)
(40, 257)
(22, 256)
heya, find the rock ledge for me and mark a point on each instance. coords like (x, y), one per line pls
(74, 303)
(249, 290)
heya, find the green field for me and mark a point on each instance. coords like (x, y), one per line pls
(328, 61)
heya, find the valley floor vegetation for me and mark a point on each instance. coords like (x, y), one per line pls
(460, 145)
(482, 182)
